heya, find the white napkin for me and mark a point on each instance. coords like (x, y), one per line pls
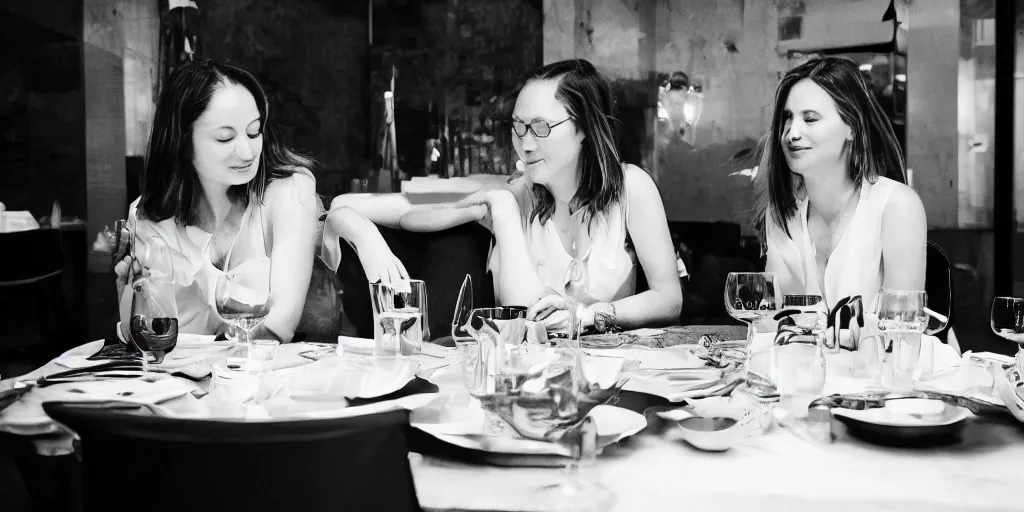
(122, 390)
(12, 221)
(676, 357)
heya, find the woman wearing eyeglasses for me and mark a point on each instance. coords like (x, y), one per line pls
(574, 199)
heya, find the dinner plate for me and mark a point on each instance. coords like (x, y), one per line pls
(906, 422)
(510, 449)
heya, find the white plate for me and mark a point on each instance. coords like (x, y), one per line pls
(365, 378)
(897, 415)
(613, 425)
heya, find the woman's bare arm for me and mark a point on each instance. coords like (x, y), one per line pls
(904, 241)
(293, 207)
(648, 229)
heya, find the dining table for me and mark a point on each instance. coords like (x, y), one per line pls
(773, 468)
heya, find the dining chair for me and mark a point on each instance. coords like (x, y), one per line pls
(146, 462)
(441, 259)
(33, 308)
(938, 285)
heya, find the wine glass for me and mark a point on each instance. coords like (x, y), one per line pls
(492, 356)
(243, 301)
(1007, 321)
(751, 297)
(551, 401)
(902, 320)
(153, 324)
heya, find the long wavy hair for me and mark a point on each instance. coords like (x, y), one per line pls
(170, 183)
(873, 152)
(587, 97)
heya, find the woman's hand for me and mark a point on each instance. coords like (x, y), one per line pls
(125, 268)
(495, 206)
(553, 311)
(379, 263)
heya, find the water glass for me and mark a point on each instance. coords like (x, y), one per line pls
(902, 320)
(260, 357)
(869, 359)
(399, 317)
(798, 366)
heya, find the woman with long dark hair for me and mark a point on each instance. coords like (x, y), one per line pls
(576, 198)
(834, 211)
(226, 197)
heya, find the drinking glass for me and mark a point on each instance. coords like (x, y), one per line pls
(243, 301)
(902, 320)
(399, 317)
(552, 401)
(492, 360)
(751, 297)
(153, 324)
(799, 359)
(1007, 321)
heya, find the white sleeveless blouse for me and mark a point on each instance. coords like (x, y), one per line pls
(609, 269)
(855, 265)
(195, 276)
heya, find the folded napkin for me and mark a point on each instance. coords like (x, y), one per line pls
(12, 221)
(672, 358)
(26, 417)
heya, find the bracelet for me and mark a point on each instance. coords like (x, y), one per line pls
(604, 317)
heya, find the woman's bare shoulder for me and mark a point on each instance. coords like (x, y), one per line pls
(639, 183)
(294, 190)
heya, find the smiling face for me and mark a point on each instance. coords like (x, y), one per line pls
(548, 158)
(814, 135)
(227, 139)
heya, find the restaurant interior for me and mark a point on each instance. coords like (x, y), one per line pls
(404, 96)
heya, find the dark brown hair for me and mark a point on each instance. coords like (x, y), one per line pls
(873, 152)
(587, 97)
(170, 185)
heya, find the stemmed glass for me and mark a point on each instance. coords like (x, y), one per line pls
(491, 357)
(902, 320)
(243, 301)
(751, 297)
(1007, 321)
(153, 324)
(551, 401)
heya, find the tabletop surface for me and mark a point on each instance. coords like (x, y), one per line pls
(778, 470)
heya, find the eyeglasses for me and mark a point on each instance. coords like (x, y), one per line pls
(540, 129)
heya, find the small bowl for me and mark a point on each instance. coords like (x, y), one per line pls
(710, 434)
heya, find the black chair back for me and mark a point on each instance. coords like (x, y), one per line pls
(441, 259)
(939, 285)
(141, 462)
(30, 256)
(33, 308)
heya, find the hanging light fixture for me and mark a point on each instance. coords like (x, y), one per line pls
(693, 105)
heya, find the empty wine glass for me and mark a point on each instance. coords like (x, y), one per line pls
(243, 301)
(552, 402)
(153, 324)
(751, 297)
(491, 360)
(1007, 321)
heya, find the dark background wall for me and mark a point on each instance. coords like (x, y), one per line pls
(452, 61)
(312, 57)
(42, 107)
